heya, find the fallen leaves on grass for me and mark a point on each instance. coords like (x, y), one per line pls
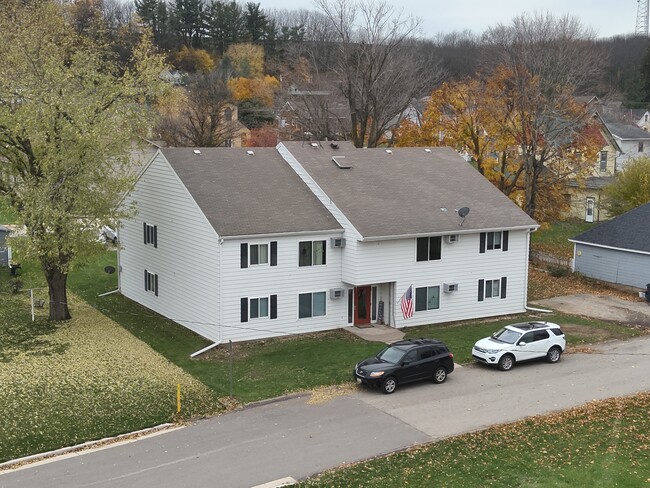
(94, 380)
(542, 285)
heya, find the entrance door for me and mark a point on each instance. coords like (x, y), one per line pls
(362, 305)
(589, 214)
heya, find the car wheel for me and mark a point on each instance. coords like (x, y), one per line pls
(440, 375)
(389, 385)
(506, 362)
(553, 355)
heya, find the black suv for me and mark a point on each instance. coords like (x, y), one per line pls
(406, 361)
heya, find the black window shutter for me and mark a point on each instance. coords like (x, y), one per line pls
(504, 282)
(324, 252)
(146, 282)
(274, 253)
(274, 306)
(244, 255)
(244, 309)
(481, 284)
(144, 231)
(504, 243)
(155, 289)
(435, 247)
(422, 249)
(155, 236)
(482, 243)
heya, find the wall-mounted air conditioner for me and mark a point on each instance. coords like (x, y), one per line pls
(337, 242)
(450, 287)
(451, 238)
(337, 293)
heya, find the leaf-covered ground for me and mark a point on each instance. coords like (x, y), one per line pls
(83, 379)
(601, 444)
(542, 284)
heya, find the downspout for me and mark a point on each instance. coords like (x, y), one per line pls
(220, 290)
(530, 231)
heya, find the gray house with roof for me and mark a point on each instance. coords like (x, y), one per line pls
(240, 244)
(617, 251)
(631, 139)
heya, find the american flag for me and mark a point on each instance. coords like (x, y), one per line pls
(407, 303)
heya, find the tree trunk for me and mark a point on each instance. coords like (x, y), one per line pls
(56, 282)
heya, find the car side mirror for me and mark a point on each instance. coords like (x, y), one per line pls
(406, 363)
(522, 343)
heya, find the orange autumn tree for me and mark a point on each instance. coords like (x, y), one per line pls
(520, 141)
(461, 115)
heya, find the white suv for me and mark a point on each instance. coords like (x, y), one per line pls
(521, 342)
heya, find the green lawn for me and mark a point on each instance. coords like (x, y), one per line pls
(554, 238)
(261, 369)
(601, 444)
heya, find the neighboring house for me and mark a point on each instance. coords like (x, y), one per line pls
(5, 251)
(617, 251)
(585, 195)
(312, 114)
(632, 140)
(230, 117)
(240, 245)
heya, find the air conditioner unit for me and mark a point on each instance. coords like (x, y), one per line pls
(337, 242)
(451, 238)
(450, 287)
(337, 293)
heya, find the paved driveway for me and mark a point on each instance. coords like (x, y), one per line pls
(297, 439)
(604, 307)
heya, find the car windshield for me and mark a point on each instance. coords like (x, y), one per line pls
(391, 355)
(506, 335)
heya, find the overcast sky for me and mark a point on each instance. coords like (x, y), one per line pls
(607, 18)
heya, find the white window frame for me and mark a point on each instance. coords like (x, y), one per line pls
(603, 160)
(312, 293)
(415, 298)
(259, 308)
(149, 232)
(313, 255)
(258, 254)
(492, 287)
(487, 241)
(151, 282)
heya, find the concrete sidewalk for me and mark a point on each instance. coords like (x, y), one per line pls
(377, 333)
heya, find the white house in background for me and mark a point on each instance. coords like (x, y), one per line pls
(632, 141)
(240, 244)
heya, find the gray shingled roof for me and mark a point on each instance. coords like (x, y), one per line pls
(628, 231)
(403, 193)
(627, 131)
(244, 194)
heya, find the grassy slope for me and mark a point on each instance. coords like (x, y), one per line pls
(554, 238)
(87, 378)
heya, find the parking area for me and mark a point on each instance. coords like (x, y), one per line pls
(603, 307)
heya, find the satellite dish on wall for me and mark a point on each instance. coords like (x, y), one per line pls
(462, 212)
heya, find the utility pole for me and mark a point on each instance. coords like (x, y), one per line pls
(642, 18)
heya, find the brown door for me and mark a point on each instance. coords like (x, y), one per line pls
(362, 305)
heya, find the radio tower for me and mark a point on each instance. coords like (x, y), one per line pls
(642, 18)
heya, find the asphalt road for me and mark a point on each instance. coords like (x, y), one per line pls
(297, 439)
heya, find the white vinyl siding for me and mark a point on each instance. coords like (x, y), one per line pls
(394, 261)
(186, 259)
(287, 280)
